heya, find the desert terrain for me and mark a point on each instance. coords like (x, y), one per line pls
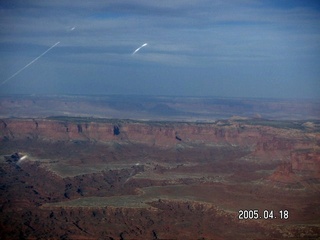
(159, 172)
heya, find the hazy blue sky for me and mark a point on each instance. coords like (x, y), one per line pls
(195, 47)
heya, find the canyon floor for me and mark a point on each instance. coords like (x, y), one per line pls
(96, 178)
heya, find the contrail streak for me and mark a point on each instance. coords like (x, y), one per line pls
(29, 63)
(143, 45)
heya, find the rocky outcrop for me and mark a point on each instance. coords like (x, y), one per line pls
(160, 134)
(306, 161)
(265, 139)
(284, 174)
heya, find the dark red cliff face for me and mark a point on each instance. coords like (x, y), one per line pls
(262, 139)
(116, 179)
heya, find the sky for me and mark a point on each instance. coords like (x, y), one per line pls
(249, 48)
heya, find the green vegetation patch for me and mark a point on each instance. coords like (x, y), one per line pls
(66, 170)
(212, 194)
(284, 124)
(134, 201)
(88, 119)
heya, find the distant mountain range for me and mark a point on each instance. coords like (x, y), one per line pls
(157, 107)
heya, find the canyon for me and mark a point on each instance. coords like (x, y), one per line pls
(95, 178)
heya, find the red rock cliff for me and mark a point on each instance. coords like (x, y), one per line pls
(262, 138)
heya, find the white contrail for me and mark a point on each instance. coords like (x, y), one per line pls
(29, 63)
(143, 45)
